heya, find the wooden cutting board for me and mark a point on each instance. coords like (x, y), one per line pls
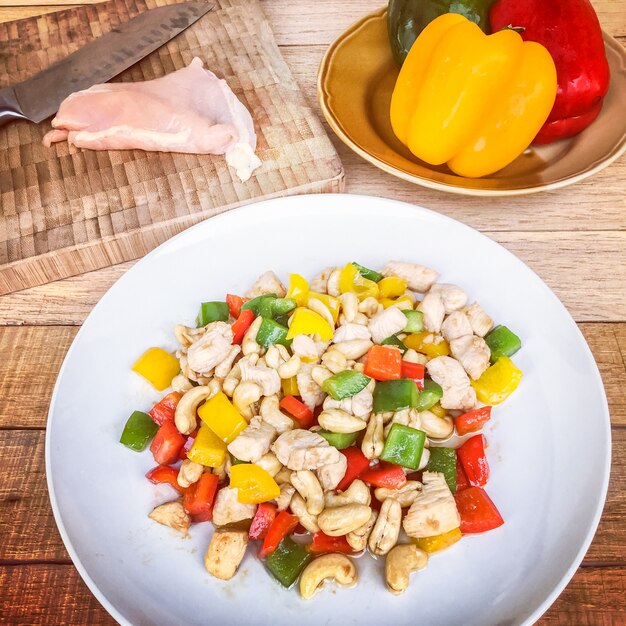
(65, 211)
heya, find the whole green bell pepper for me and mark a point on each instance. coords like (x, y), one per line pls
(406, 19)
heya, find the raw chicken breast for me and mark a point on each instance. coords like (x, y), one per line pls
(190, 110)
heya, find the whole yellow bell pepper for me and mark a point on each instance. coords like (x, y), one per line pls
(207, 449)
(254, 484)
(438, 542)
(221, 416)
(471, 100)
(498, 382)
(307, 322)
(427, 343)
(158, 367)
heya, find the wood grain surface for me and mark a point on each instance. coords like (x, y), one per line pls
(574, 238)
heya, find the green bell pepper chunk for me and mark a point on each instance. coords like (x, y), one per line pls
(393, 395)
(287, 561)
(394, 341)
(212, 312)
(235, 461)
(368, 273)
(414, 322)
(443, 460)
(139, 431)
(341, 441)
(271, 332)
(276, 307)
(255, 304)
(404, 446)
(502, 342)
(345, 384)
(429, 396)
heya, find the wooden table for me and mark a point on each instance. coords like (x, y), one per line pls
(574, 238)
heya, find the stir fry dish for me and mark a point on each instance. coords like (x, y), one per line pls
(334, 416)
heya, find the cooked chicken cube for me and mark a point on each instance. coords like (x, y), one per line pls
(480, 321)
(434, 311)
(387, 323)
(349, 331)
(228, 509)
(211, 348)
(330, 475)
(454, 298)
(267, 283)
(434, 511)
(456, 325)
(253, 442)
(359, 405)
(472, 353)
(225, 553)
(302, 449)
(418, 277)
(310, 392)
(266, 377)
(172, 514)
(457, 390)
(320, 282)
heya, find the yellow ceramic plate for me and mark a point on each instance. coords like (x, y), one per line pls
(355, 82)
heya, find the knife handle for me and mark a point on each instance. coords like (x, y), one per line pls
(9, 107)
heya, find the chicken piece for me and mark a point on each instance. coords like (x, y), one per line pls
(284, 499)
(349, 331)
(319, 283)
(481, 323)
(418, 277)
(267, 378)
(228, 509)
(270, 464)
(172, 514)
(434, 510)
(211, 348)
(330, 475)
(267, 283)
(225, 553)
(472, 353)
(302, 449)
(190, 110)
(310, 392)
(453, 297)
(457, 390)
(456, 325)
(360, 405)
(386, 323)
(304, 346)
(434, 311)
(253, 442)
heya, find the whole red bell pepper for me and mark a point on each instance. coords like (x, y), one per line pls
(474, 461)
(199, 498)
(167, 444)
(262, 520)
(477, 511)
(165, 409)
(571, 32)
(357, 464)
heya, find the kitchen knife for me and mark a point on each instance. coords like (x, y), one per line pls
(98, 61)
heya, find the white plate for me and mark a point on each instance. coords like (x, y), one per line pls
(549, 444)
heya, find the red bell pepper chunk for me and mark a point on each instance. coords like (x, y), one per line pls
(383, 363)
(165, 409)
(298, 410)
(472, 421)
(199, 498)
(323, 544)
(190, 439)
(280, 528)
(167, 444)
(385, 475)
(478, 512)
(474, 461)
(461, 479)
(414, 372)
(164, 474)
(263, 518)
(242, 323)
(234, 304)
(357, 464)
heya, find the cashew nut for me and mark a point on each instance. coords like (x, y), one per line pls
(412, 356)
(436, 427)
(319, 374)
(357, 493)
(222, 370)
(286, 494)
(189, 473)
(321, 309)
(349, 306)
(244, 395)
(425, 458)
(357, 539)
(308, 486)
(299, 509)
(185, 416)
(370, 306)
(249, 344)
(332, 285)
(271, 413)
(384, 535)
(405, 495)
(373, 442)
(270, 464)
(283, 476)
(334, 361)
(338, 421)
(354, 348)
(290, 367)
(341, 520)
(181, 383)
(400, 562)
(276, 355)
(337, 567)
(232, 380)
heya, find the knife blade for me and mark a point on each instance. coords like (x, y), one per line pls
(98, 61)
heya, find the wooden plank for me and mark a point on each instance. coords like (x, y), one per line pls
(29, 532)
(594, 597)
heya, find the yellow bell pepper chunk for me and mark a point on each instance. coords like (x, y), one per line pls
(404, 300)
(207, 449)
(498, 382)
(438, 542)
(298, 289)
(158, 367)
(427, 343)
(222, 417)
(307, 322)
(391, 287)
(254, 484)
(351, 281)
(437, 410)
(290, 386)
(330, 302)
(471, 100)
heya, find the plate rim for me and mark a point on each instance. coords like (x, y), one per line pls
(549, 598)
(333, 122)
